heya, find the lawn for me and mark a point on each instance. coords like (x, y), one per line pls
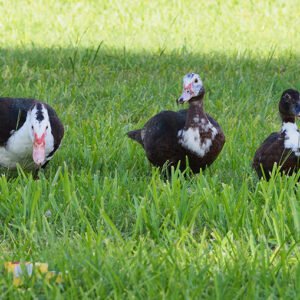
(100, 213)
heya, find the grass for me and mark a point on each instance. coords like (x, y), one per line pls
(100, 214)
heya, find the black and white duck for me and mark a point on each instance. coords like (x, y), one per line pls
(172, 137)
(30, 133)
(283, 147)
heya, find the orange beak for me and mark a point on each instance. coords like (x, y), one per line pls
(38, 153)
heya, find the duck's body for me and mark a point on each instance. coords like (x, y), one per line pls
(30, 133)
(189, 135)
(283, 147)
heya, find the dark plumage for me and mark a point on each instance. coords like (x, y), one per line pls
(172, 137)
(30, 132)
(281, 147)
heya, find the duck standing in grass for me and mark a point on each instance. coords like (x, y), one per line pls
(30, 133)
(189, 135)
(281, 148)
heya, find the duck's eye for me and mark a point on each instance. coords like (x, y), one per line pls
(32, 127)
(196, 80)
(46, 127)
(288, 97)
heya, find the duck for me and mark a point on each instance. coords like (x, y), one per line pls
(30, 133)
(283, 147)
(186, 137)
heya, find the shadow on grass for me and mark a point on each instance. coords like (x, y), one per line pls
(102, 93)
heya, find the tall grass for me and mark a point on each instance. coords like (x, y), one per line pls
(100, 214)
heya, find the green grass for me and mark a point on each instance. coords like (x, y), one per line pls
(100, 214)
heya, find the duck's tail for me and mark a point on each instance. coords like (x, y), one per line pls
(136, 135)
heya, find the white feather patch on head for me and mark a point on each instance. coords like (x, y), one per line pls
(292, 137)
(191, 139)
(189, 80)
(192, 85)
(39, 125)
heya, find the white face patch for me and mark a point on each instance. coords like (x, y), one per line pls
(39, 121)
(191, 139)
(192, 85)
(292, 137)
(19, 147)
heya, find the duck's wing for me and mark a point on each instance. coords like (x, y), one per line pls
(220, 136)
(164, 124)
(270, 152)
(214, 122)
(160, 137)
(13, 113)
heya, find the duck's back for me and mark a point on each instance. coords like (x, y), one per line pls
(160, 137)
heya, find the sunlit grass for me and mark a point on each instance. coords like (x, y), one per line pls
(100, 214)
(201, 26)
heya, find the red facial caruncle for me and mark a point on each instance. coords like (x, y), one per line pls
(39, 153)
(40, 141)
(189, 89)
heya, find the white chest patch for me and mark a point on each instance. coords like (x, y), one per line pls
(18, 149)
(191, 138)
(292, 137)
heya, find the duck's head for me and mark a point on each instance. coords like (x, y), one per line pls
(289, 105)
(39, 128)
(192, 88)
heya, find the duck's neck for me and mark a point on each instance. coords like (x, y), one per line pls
(288, 119)
(195, 114)
(289, 124)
